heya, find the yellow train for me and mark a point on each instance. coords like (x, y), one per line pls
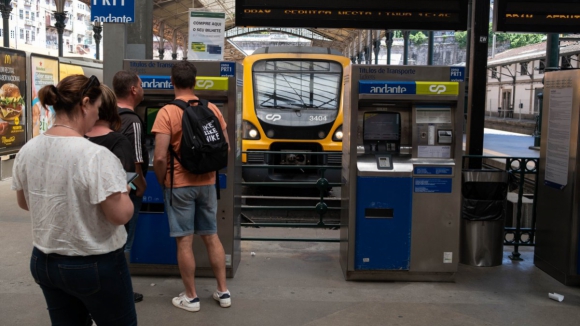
(292, 107)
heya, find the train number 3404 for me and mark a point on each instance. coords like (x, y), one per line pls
(317, 118)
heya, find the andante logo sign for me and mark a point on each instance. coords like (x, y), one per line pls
(113, 11)
(408, 87)
(156, 82)
(202, 83)
(388, 89)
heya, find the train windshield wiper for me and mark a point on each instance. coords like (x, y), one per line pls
(303, 106)
(275, 107)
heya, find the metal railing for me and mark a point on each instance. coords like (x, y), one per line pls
(321, 208)
(523, 172)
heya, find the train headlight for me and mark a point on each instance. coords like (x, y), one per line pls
(338, 134)
(249, 131)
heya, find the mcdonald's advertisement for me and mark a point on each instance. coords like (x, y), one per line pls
(12, 101)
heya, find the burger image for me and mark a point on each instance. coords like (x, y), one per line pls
(11, 102)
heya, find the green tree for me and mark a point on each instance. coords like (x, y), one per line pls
(418, 38)
(516, 40)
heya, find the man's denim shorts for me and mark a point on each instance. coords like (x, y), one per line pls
(193, 211)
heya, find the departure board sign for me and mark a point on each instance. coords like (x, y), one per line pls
(368, 14)
(537, 16)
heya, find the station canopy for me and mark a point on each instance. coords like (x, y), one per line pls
(174, 15)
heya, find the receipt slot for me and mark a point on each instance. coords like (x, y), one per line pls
(401, 173)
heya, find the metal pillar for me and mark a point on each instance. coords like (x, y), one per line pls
(140, 33)
(467, 56)
(389, 44)
(377, 46)
(538, 131)
(97, 30)
(174, 53)
(60, 16)
(552, 64)
(477, 80)
(369, 51)
(406, 47)
(6, 9)
(161, 47)
(430, 49)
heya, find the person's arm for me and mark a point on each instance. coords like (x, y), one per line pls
(160, 157)
(133, 134)
(140, 182)
(118, 208)
(227, 139)
(21, 200)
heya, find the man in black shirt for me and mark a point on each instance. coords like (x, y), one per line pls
(127, 88)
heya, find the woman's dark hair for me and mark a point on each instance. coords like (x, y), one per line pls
(183, 74)
(108, 109)
(69, 92)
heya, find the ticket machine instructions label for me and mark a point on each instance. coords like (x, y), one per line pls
(432, 170)
(432, 185)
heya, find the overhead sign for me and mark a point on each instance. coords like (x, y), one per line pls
(368, 14)
(113, 11)
(388, 87)
(537, 16)
(206, 35)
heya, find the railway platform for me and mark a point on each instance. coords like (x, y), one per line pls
(296, 283)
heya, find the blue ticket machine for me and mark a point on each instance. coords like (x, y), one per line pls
(401, 173)
(154, 252)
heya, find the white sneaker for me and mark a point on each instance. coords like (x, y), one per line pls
(225, 299)
(182, 302)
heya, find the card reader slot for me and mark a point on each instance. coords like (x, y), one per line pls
(379, 212)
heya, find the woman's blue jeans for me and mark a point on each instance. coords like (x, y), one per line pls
(80, 288)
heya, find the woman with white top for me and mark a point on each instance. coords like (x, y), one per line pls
(76, 192)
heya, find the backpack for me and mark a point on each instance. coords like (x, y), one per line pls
(203, 145)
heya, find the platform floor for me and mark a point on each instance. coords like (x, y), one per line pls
(293, 283)
(505, 143)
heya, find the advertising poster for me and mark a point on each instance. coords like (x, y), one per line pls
(206, 35)
(12, 101)
(44, 72)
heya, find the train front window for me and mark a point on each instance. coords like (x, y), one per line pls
(297, 84)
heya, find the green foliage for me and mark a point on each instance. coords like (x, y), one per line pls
(516, 40)
(418, 38)
(461, 39)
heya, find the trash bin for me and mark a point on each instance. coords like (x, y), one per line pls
(483, 209)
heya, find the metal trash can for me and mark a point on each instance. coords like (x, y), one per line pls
(483, 210)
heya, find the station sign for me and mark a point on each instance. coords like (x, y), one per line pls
(390, 87)
(113, 11)
(206, 35)
(537, 16)
(368, 14)
(157, 82)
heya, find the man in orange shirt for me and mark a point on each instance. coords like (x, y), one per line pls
(194, 206)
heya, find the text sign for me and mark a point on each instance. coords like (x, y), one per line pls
(537, 16)
(113, 11)
(370, 14)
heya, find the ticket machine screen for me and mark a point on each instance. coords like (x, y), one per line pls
(382, 126)
(150, 114)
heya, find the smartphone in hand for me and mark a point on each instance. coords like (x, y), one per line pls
(131, 176)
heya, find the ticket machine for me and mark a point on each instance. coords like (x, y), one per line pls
(401, 173)
(154, 252)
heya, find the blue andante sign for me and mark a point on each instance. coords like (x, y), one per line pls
(113, 11)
